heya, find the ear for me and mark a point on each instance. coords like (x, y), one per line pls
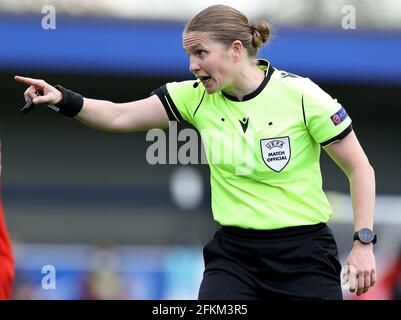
(237, 50)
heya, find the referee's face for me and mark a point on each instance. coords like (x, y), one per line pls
(210, 61)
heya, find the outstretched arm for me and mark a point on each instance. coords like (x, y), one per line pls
(360, 268)
(140, 115)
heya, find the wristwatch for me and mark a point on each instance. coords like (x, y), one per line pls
(365, 235)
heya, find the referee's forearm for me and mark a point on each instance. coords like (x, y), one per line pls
(99, 114)
(362, 184)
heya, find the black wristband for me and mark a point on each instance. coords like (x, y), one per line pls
(71, 103)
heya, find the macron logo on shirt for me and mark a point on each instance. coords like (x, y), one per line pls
(244, 123)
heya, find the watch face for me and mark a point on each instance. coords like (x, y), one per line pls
(366, 235)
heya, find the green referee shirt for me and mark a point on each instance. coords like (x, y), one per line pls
(263, 151)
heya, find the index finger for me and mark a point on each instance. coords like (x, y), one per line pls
(29, 81)
(352, 279)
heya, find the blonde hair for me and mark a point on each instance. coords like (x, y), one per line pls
(226, 24)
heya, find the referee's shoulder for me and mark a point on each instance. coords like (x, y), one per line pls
(187, 84)
(186, 87)
(297, 83)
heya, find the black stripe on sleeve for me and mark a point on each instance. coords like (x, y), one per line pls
(168, 103)
(338, 137)
(200, 102)
(303, 110)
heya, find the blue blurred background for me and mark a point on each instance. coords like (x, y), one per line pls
(113, 225)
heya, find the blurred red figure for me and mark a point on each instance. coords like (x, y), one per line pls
(6, 256)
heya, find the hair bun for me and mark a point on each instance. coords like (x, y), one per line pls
(260, 31)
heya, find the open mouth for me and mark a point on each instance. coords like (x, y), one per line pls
(204, 79)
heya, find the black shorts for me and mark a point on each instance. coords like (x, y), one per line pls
(289, 263)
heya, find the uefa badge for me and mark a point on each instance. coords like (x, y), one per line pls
(339, 116)
(276, 152)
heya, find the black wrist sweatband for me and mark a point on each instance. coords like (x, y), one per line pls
(71, 103)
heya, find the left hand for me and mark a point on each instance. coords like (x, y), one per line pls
(48, 93)
(360, 268)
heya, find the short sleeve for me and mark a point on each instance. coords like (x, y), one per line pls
(180, 99)
(326, 120)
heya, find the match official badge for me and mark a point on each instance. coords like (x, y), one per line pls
(276, 152)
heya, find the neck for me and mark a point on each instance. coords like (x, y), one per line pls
(247, 80)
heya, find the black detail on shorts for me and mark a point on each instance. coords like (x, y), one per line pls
(168, 103)
(257, 91)
(338, 137)
(303, 109)
(200, 102)
(274, 234)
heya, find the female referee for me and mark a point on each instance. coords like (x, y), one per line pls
(274, 241)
